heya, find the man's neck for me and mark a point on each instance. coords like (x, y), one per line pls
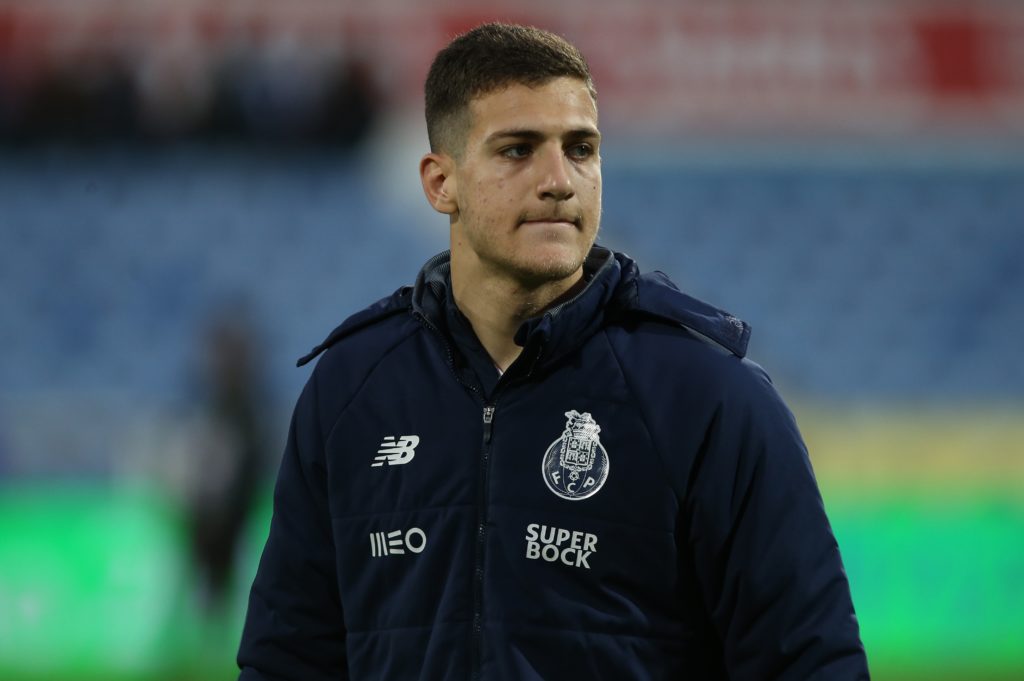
(497, 305)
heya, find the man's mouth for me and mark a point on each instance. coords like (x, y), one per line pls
(573, 221)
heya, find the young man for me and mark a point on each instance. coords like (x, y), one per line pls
(537, 463)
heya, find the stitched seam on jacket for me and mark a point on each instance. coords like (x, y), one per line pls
(643, 419)
(441, 507)
(415, 627)
(583, 516)
(668, 636)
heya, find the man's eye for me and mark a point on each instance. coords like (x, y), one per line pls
(516, 151)
(581, 151)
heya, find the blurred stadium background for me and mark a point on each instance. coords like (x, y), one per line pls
(848, 176)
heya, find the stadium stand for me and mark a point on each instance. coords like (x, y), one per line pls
(873, 284)
(925, 265)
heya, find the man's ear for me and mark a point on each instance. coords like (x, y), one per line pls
(437, 173)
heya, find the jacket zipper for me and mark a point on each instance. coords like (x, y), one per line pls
(476, 648)
(485, 455)
(481, 540)
(481, 529)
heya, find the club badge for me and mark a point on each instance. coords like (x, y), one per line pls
(575, 465)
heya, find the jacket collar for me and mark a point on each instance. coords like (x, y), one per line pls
(615, 290)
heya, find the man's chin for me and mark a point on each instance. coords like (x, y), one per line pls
(539, 271)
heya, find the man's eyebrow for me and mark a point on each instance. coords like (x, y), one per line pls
(584, 134)
(537, 136)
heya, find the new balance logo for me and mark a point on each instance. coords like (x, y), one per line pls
(395, 543)
(396, 452)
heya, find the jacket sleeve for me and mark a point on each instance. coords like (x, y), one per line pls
(293, 627)
(763, 549)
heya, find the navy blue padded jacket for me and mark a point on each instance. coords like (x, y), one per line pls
(631, 500)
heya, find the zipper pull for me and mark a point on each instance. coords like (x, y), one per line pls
(488, 418)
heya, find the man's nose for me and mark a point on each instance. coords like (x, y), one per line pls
(556, 179)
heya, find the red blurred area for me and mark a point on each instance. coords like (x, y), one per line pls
(867, 66)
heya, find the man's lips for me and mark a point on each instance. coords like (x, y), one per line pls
(554, 220)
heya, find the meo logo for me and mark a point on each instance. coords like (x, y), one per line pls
(394, 543)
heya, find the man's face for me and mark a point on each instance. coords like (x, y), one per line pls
(528, 182)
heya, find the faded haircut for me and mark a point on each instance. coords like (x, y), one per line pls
(488, 58)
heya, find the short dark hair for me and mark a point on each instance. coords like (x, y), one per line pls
(488, 58)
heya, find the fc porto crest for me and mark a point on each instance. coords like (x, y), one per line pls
(575, 465)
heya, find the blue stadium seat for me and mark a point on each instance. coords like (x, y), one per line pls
(871, 283)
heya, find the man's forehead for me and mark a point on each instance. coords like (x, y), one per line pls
(557, 106)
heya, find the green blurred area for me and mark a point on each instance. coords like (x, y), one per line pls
(95, 582)
(937, 583)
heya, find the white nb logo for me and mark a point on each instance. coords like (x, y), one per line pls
(396, 452)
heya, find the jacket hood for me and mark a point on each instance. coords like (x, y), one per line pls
(615, 291)
(657, 297)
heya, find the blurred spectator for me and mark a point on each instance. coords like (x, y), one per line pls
(230, 452)
(5, 453)
(88, 100)
(262, 90)
(175, 87)
(350, 105)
